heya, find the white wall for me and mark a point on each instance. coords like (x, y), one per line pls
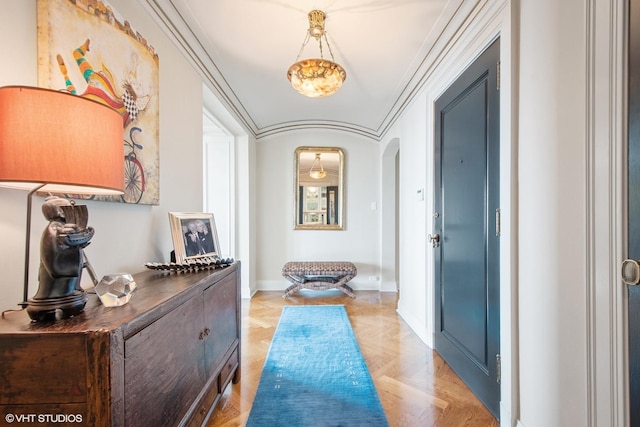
(571, 141)
(562, 305)
(127, 236)
(414, 130)
(552, 139)
(415, 259)
(562, 153)
(278, 242)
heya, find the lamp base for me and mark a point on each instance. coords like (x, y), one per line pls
(50, 309)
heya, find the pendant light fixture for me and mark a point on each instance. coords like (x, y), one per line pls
(317, 171)
(316, 77)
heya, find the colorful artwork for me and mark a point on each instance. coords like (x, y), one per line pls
(85, 48)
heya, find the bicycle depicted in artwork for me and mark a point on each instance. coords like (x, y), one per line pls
(133, 172)
(125, 99)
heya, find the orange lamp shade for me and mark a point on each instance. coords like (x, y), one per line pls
(70, 143)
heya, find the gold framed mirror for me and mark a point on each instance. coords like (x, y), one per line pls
(319, 188)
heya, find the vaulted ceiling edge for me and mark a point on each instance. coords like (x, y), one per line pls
(251, 85)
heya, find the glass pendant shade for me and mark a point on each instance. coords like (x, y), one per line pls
(317, 174)
(316, 77)
(317, 170)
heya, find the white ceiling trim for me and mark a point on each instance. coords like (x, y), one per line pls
(453, 20)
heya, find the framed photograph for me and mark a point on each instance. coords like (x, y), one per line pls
(194, 235)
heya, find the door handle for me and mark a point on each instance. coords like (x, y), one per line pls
(435, 240)
(630, 272)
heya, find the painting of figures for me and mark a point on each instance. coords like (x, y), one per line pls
(86, 48)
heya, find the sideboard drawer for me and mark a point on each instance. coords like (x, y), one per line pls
(207, 402)
(228, 370)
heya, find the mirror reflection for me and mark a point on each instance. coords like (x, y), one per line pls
(318, 189)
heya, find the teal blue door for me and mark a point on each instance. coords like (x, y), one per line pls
(466, 238)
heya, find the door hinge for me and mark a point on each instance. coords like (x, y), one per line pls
(498, 368)
(498, 224)
(498, 75)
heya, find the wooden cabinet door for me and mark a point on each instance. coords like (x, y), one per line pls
(220, 316)
(163, 367)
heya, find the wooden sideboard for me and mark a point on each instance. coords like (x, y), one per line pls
(163, 359)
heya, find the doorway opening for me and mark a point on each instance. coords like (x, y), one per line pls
(389, 252)
(218, 186)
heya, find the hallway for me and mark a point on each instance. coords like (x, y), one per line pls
(415, 386)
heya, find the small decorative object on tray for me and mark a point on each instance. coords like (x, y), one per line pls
(191, 264)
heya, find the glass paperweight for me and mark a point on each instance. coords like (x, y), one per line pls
(115, 289)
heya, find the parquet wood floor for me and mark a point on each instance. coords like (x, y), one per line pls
(415, 386)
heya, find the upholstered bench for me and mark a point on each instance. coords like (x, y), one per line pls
(319, 276)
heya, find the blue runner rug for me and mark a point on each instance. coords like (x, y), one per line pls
(314, 374)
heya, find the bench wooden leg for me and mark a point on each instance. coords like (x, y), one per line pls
(292, 290)
(347, 290)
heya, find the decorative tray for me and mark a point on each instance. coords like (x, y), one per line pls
(191, 264)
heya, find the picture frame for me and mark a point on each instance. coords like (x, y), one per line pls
(194, 235)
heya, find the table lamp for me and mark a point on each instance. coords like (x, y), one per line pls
(56, 142)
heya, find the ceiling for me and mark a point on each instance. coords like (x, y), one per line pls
(243, 49)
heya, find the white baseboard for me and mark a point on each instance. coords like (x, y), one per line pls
(389, 286)
(272, 285)
(505, 415)
(414, 325)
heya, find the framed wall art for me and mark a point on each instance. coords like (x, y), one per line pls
(194, 235)
(86, 48)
